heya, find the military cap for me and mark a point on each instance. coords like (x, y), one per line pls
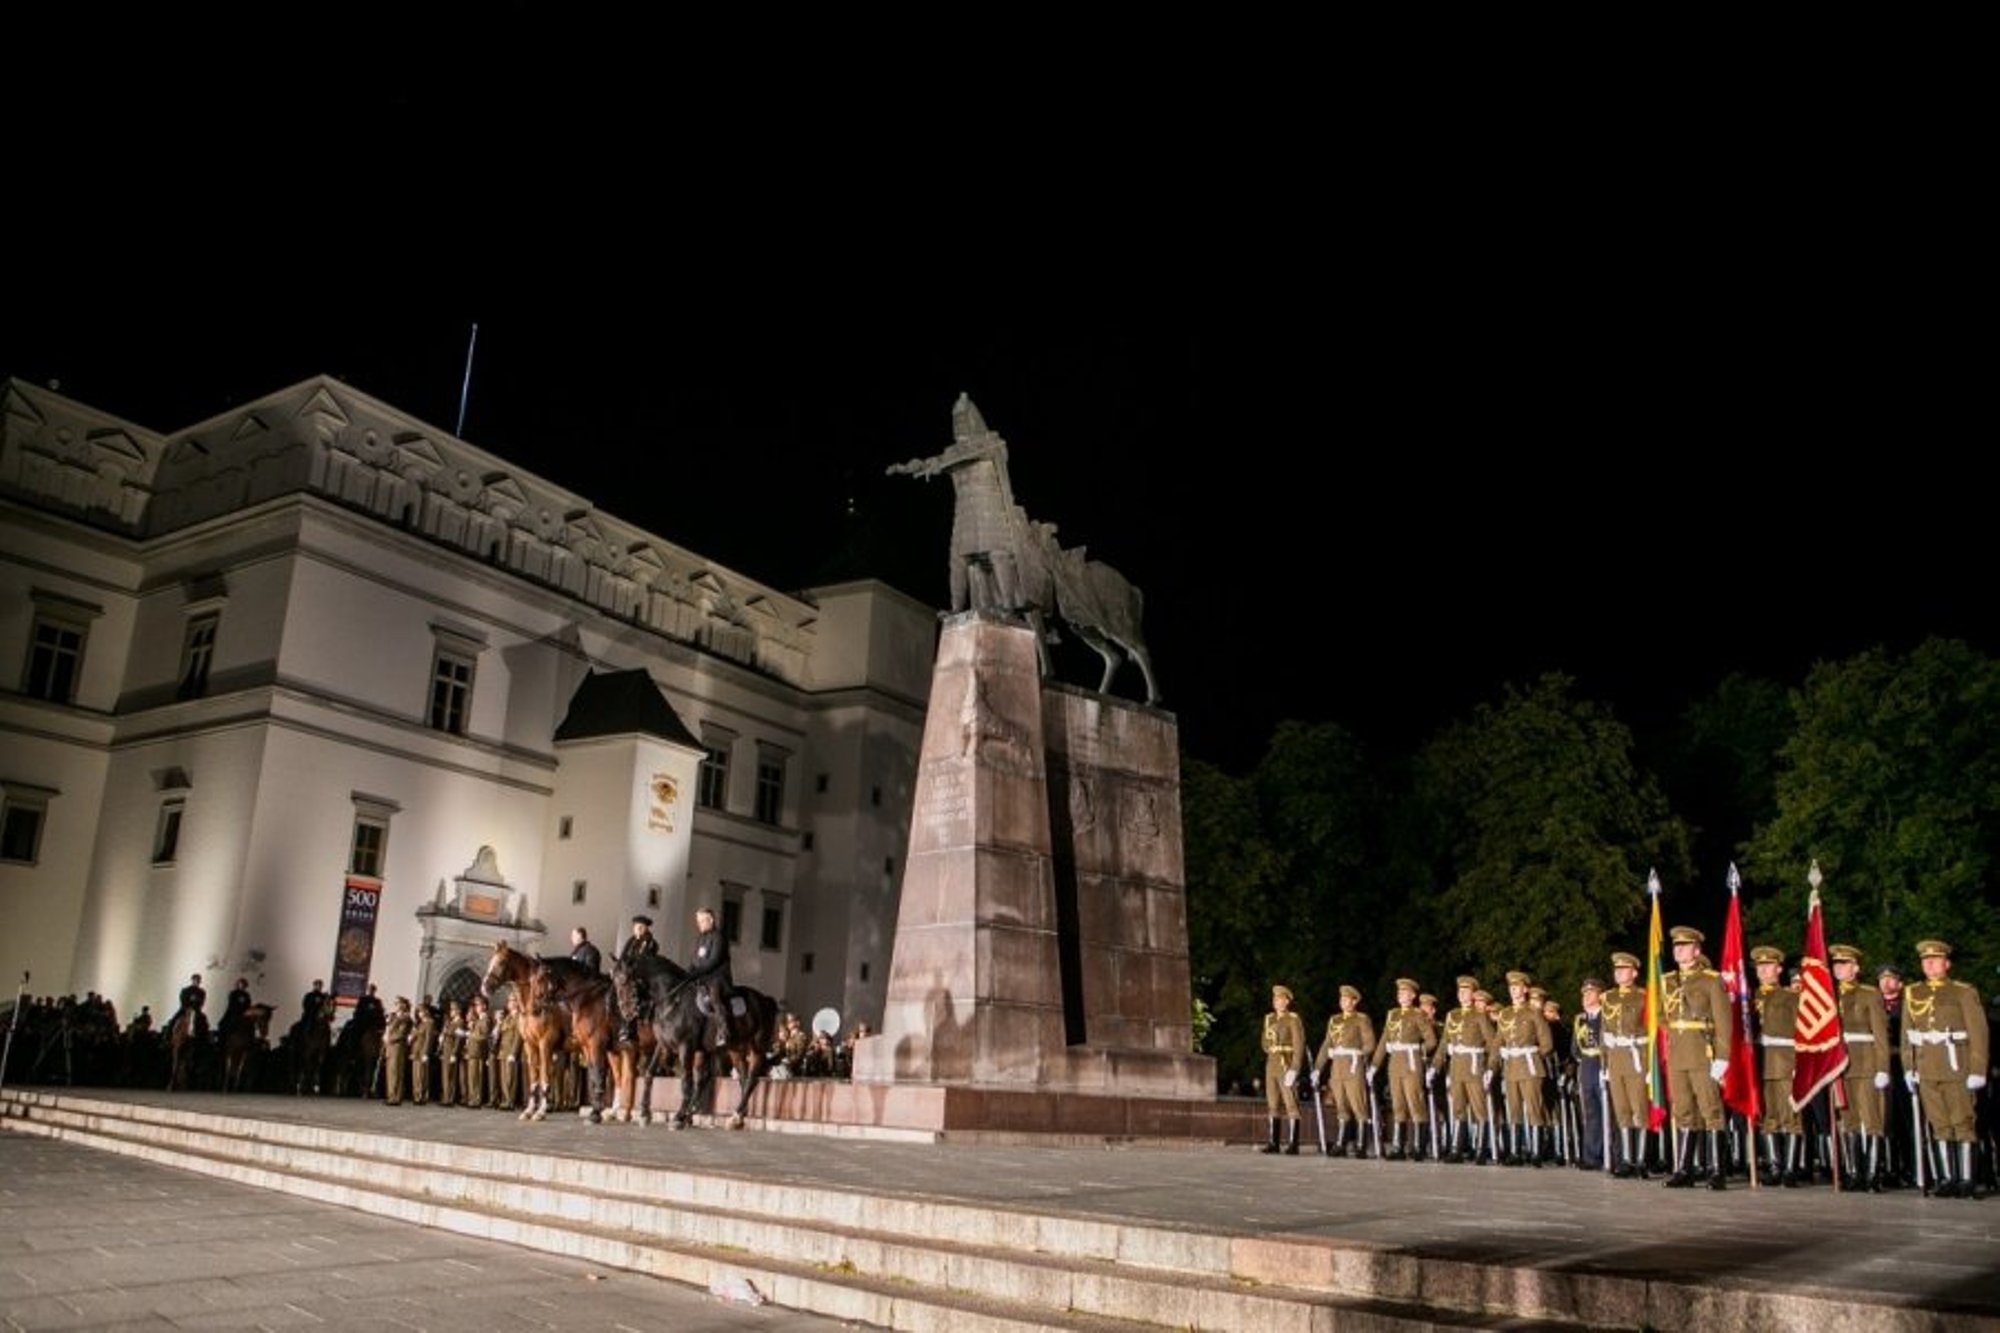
(402, 1001)
(1625, 960)
(1427, 998)
(1844, 953)
(1483, 995)
(1404, 983)
(1470, 983)
(1285, 991)
(1350, 993)
(1519, 979)
(1889, 970)
(1687, 935)
(1591, 983)
(1538, 993)
(642, 921)
(1767, 953)
(1933, 949)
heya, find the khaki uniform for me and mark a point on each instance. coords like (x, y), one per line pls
(478, 1033)
(1284, 1052)
(1864, 1025)
(1944, 1040)
(1465, 1056)
(423, 1046)
(1695, 1004)
(1777, 1025)
(1522, 1044)
(1409, 1039)
(1350, 1040)
(395, 1055)
(1625, 1057)
(508, 1058)
(451, 1044)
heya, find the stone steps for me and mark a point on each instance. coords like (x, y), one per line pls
(902, 1261)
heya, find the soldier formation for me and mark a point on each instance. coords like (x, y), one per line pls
(1514, 1085)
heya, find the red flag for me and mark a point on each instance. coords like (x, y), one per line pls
(1740, 1088)
(1822, 1050)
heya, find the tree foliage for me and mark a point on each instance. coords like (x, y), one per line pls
(1548, 831)
(1891, 782)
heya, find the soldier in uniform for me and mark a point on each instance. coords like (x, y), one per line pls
(1437, 1108)
(1864, 1025)
(1350, 1039)
(1468, 1035)
(1900, 1132)
(1523, 1044)
(507, 1055)
(396, 1051)
(1586, 1043)
(1557, 1092)
(1945, 1055)
(1695, 1005)
(1627, 1064)
(451, 1044)
(478, 1035)
(423, 1046)
(1408, 1042)
(1777, 1025)
(1284, 1063)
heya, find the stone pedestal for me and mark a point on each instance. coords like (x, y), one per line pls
(1041, 940)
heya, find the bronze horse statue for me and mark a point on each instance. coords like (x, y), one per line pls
(660, 991)
(1001, 560)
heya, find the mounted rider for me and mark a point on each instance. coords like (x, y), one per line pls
(194, 999)
(709, 970)
(640, 944)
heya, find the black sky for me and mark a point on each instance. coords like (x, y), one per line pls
(1383, 401)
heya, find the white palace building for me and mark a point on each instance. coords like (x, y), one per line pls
(314, 690)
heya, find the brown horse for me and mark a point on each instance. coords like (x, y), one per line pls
(251, 1035)
(563, 1004)
(183, 1049)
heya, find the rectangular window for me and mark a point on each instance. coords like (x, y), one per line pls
(732, 921)
(770, 786)
(371, 843)
(451, 693)
(55, 656)
(197, 654)
(806, 961)
(22, 813)
(579, 891)
(653, 896)
(819, 784)
(806, 841)
(563, 826)
(167, 837)
(712, 783)
(772, 937)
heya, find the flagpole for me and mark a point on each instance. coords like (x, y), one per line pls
(465, 385)
(1743, 1032)
(1654, 1087)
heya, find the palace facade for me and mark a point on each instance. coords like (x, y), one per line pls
(313, 689)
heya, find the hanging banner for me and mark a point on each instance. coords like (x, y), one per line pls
(355, 949)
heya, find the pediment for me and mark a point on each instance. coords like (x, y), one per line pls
(324, 407)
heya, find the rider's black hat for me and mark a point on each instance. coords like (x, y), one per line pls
(642, 921)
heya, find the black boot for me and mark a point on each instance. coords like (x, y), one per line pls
(1683, 1173)
(1449, 1152)
(1395, 1153)
(1718, 1170)
(1272, 1144)
(1968, 1178)
(1795, 1161)
(1292, 1139)
(1541, 1137)
(1626, 1162)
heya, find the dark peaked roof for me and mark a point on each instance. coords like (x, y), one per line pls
(615, 703)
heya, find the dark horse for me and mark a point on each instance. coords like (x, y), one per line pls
(659, 991)
(246, 1045)
(184, 1048)
(562, 1003)
(312, 1039)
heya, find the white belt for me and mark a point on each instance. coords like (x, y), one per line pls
(1948, 1040)
(1613, 1039)
(1865, 1038)
(1527, 1053)
(1457, 1048)
(1409, 1048)
(1777, 1041)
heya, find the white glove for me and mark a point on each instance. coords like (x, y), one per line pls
(1486, 1078)
(1291, 1077)
(1605, 1078)
(1882, 1078)
(1910, 1080)
(1974, 1082)
(1717, 1068)
(1374, 1072)
(1313, 1078)
(1429, 1075)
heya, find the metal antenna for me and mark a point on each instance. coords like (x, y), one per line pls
(465, 388)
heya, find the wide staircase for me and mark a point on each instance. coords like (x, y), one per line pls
(910, 1260)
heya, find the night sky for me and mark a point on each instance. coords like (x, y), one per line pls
(1380, 536)
(1381, 411)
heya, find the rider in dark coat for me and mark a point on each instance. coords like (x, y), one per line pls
(194, 996)
(234, 1008)
(583, 952)
(710, 969)
(641, 944)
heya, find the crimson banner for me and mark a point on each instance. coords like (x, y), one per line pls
(1822, 1049)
